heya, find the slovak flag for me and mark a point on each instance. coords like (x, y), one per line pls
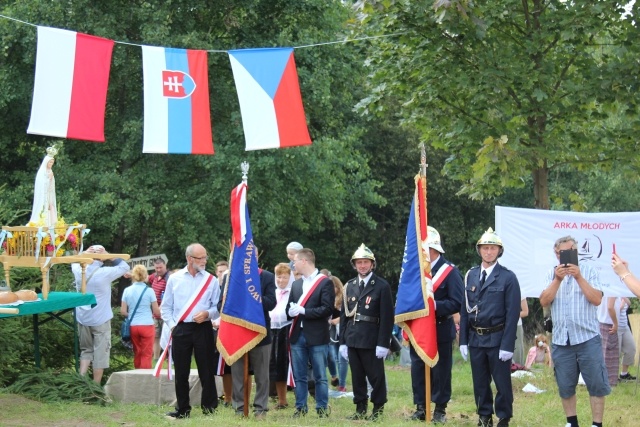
(270, 100)
(70, 88)
(176, 101)
(242, 324)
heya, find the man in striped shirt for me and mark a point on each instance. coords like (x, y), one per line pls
(573, 292)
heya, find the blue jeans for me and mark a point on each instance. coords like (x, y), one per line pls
(301, 356)
(343, 364)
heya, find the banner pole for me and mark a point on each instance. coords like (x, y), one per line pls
(247, 385)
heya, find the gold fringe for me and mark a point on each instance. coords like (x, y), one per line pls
(419, 351)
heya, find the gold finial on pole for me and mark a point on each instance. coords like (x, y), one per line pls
(245, 170)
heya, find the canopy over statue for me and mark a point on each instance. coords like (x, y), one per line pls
(44, 211)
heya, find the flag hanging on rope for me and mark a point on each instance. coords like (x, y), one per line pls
(176, 101)
(270, 100)
(415, 307)
(70, 88)
(242, 323)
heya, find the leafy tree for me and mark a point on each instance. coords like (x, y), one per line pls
(145, 203)
(510, 89)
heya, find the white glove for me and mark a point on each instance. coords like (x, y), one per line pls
(381, 352)
(295, 309)
(505, 355)
(464, 351)
(344, 352)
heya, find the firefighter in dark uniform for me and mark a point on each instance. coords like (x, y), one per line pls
(488, 322)
(366, 320)
(448, 295)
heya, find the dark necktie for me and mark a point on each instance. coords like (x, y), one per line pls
(483, 278)
(361, 286)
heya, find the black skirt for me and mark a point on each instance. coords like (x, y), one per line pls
(279, 364)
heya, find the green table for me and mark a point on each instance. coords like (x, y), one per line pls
(54, 307)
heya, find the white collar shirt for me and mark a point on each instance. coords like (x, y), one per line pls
(180, 288)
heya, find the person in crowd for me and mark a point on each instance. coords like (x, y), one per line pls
(158, 280)
(222, 274)
(292, 249)
(309, 306)
(142, 326)
(448, 294)
(518, 354)
(625, 339)
(189, 304)
(574, 292)
(342, 365)
(540, 353)
(621, 268)
(332, 359)
(95, 323)
(488, 323)
(608, 320)
(258, 355)
(280, 325)
(221, 268)
(367, 322)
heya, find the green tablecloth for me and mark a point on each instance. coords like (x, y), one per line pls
(57, 301)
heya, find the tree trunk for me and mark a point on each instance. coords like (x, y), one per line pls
(541, 187)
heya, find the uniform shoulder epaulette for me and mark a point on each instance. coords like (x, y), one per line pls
(352, 281)
(474, 267)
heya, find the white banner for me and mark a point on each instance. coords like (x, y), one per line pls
(528, 236)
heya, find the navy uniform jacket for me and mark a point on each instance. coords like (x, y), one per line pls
(318, 310)
(376, 301)
(498, 302)
(449, 298)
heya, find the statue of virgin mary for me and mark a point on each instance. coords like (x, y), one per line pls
(44, 211)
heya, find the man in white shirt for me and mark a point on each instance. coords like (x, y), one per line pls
(189, 304)
(95, 323)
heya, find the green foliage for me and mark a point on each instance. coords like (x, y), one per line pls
(51, 386)
(510, 89)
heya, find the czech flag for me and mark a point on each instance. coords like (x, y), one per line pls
(70, 88)
(176, 101)
(270, 100)
(415, 306)
(242, 324)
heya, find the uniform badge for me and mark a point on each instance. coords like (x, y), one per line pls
(353, 298)
(473, 289)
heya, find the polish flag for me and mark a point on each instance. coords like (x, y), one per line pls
(70, 89)
(176, 101)
(270, 100)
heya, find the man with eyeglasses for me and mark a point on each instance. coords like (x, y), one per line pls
(310, 306)
(190, 302)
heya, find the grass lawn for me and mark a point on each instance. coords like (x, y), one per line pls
(542, 409)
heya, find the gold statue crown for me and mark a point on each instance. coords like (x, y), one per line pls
(52, 151)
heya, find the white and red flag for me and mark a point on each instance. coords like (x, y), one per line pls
(70, 88)
(242, 324)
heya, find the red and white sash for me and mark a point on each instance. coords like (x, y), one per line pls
(188, 307)
(440, 276)
(319, 278)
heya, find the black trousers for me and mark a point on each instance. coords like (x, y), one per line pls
(194, 339)
(485, 365)
(440, 376)
(364, 364)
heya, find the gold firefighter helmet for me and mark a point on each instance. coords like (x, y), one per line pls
(433, 239)
(490, 238)
(363, 252)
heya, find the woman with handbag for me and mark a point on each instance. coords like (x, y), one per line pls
(139, 296)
